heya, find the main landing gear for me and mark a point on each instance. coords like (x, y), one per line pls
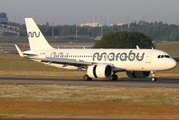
(86, 78)
(153, 76)
(113, 77)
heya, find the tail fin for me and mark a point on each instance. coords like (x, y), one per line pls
(36, 39)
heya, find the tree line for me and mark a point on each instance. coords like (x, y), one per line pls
(124, 39)
(157, 31)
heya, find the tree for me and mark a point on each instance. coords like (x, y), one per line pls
(124, 39)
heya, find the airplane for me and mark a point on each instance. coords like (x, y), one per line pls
(99, 63)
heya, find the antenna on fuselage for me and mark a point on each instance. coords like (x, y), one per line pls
(137, 47)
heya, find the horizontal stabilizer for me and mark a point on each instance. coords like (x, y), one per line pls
(29, 53)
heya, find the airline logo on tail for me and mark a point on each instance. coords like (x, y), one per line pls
(32, 34)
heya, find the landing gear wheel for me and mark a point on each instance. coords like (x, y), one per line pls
(86, 78)
(153, 76)
(113, 77)
(154, 79)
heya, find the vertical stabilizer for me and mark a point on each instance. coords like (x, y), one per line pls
(36, 39)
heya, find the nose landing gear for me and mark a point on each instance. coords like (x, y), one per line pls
(153, 76)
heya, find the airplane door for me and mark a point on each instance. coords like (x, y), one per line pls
(148, 57)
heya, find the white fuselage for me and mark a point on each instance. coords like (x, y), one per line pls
(121, 59)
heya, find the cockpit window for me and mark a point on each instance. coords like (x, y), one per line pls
(163, 56)
(167, 56)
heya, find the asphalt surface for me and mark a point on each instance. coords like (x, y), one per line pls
(95, 82)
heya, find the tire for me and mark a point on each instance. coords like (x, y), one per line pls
(154, 79)
(86, 78)
(113, 77)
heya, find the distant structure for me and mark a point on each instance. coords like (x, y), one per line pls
(176, 22)
(3, 18)
(98, 21)
(107, 19)
(5, 29)
(119, 24)
(137, 18)
(127, 19)
(94, 24)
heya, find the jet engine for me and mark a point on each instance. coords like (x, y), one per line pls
(138, 74)
(99, 71)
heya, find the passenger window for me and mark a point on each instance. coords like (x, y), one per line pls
(162, 56)
(159, 56)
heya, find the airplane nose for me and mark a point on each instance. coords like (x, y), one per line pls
(172, 63)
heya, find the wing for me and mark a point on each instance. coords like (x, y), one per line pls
(77, 63)
(65, 61)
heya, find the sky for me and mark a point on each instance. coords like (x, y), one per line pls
(69, 12)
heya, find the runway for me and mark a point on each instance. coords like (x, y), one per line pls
(96, 82)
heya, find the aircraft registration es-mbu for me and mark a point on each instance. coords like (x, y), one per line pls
(99, 63)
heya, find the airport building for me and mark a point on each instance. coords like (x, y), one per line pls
(3, 18)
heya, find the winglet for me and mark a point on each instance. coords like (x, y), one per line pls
(19, 51)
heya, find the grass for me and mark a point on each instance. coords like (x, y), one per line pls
(171, 48)
(115, 109)
(87, 101)
(62, 93)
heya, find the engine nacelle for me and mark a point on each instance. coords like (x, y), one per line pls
(138, 74)
(99, 71)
